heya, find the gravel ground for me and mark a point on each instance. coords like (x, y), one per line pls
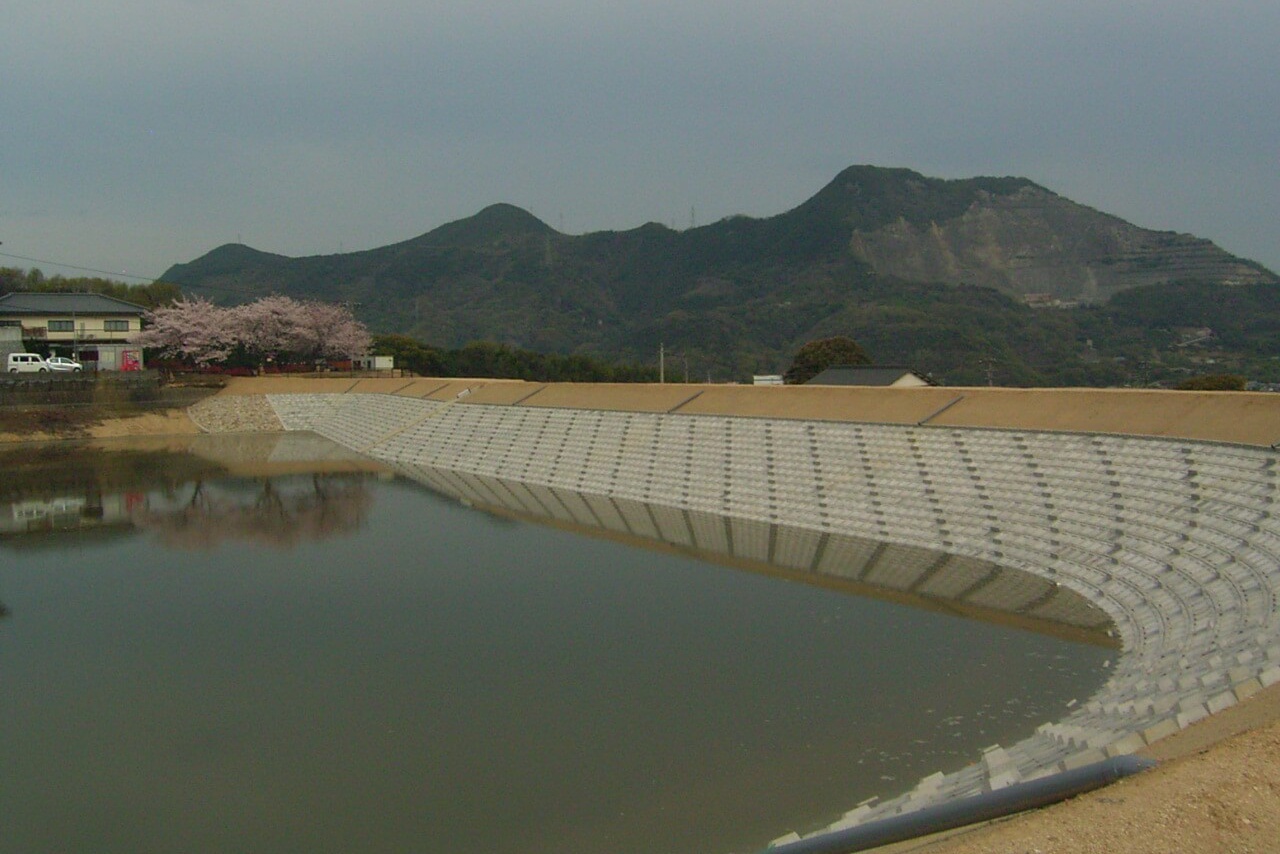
(232, 413)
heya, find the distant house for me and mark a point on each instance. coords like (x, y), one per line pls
(91, 328)
(1048, 301)
(893, 376)
(374, 363)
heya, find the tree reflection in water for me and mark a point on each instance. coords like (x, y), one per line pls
(279, 512)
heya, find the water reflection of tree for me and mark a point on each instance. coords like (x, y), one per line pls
(277, 513)
(42, 471)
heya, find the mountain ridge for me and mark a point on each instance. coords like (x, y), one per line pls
(496, 221)
(743, 291)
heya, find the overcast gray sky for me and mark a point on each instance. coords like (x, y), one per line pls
(135, 134)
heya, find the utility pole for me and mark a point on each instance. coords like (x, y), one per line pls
(662, 363)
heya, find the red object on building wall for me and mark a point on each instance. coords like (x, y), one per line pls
(129, 361)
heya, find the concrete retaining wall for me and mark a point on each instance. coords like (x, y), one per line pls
(1177, 540)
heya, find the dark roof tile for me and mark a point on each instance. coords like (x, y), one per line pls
(27, 302)
(876, 375)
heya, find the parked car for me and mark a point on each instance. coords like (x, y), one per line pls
(62, 363)
(27, 363)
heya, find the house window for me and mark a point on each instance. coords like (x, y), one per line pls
(62, 326)
(116, 325)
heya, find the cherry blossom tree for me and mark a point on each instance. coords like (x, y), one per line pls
(281, 513)
(194, 329)
(330, 331)
(267, 328)
(280, 328)
(274, 328)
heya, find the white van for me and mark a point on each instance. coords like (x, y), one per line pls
(27, 363)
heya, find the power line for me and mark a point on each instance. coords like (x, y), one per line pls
(82, 269)
(230, 289)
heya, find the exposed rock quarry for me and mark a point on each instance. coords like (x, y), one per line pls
(1033, 241)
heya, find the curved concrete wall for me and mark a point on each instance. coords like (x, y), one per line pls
(1176, 540)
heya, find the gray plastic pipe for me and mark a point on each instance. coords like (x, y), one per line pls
(958, 813)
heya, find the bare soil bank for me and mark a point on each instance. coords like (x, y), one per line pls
(54, 423)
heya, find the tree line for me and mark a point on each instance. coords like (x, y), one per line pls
(501, 361)
(963, 336)
(15, 280)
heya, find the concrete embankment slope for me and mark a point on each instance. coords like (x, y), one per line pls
(1160, 508)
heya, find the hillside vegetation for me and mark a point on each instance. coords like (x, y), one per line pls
(157, 293)
(932, 273)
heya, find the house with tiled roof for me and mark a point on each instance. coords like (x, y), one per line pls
(885, 376)
(93, 329)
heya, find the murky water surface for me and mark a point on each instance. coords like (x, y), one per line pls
(197, 657)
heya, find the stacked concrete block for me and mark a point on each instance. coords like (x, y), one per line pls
(302, 411)
(750, 538)
(906, 567)
(604, 509)
(636, 517)
(578, 507)
(356, 421)
(710, 531)
(847, 556)
(673, 527)
(796, 548)
(1019, 589)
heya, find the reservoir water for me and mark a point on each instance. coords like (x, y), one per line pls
(269, 646)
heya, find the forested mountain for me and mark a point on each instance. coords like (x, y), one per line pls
(939, 274)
